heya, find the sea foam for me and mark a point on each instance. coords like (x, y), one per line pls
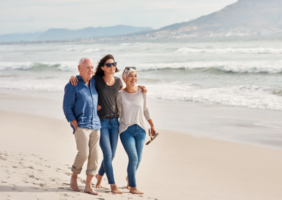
(260, 50)
(42, 66)
(213, 67)
(244, 96)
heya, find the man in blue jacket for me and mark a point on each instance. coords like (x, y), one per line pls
(80, 108)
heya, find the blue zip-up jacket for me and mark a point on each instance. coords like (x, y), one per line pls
(80, 103)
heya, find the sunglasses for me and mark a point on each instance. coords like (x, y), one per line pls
(128, 68)
(111, 64)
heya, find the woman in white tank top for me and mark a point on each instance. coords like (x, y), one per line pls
(133, 112)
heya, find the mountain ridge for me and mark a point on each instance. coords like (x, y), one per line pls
(260, 14)
(68, 34)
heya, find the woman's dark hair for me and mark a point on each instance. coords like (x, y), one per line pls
(99, 71)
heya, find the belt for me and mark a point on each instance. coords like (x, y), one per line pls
(110, 117)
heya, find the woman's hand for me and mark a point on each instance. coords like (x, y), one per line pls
(73, 80)
(143, 88)
(99, 107)
(153, 131)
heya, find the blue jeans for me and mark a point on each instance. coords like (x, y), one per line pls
(133, 140)
(108, 143)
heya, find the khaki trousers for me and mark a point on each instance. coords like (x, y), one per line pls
(87, 143)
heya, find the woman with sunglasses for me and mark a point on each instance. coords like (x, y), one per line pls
(107, 86)
(133, 110)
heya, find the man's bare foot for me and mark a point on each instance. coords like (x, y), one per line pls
(127, 183)
(90, 190)
(99, 181)
(134, 190)
(73, 182)
(115, 190)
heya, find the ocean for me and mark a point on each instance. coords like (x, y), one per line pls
(239, 72)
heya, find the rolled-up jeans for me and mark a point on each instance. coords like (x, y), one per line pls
(133, 140)
(87, 143)
(108, 143)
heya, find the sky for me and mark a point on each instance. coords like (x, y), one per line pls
(27, 16)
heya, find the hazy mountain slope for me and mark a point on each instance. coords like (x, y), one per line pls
(242, 14)
(60, 34)
(19, 37)
(66, 34)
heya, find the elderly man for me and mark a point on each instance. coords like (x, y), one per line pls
(80, 108)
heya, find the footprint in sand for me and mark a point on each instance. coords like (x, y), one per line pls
(3, 158)
(41, 184)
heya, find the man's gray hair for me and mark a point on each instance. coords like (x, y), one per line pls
(82, 60)
(127, 71)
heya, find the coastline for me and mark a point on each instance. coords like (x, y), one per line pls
(175, 166)
(235, 124)
(38, 148)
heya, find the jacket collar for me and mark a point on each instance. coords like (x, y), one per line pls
(80, 79)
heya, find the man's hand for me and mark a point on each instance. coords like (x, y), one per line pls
(74, 123)
(143, 88)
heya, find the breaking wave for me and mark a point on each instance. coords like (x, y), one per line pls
(244, 96)
(231, 50)
(216, 67)
(33, 66)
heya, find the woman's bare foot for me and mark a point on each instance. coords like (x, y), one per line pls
(90, 190)
(99, 181)
(73, 182)
(115, 190)
(134, 190)
(127, 183)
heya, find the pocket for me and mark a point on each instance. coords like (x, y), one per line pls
(104, 123)
(83, 119)
(115, 123)
(77, 129)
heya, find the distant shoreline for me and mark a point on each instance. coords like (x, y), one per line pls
(157, 40)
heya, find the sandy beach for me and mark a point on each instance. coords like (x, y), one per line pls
(36, 153)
